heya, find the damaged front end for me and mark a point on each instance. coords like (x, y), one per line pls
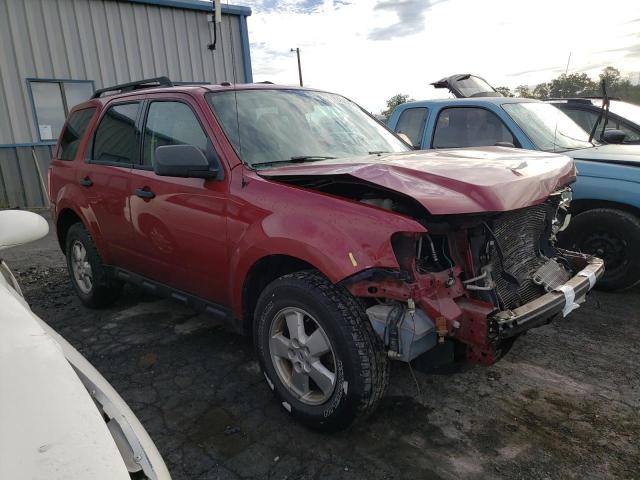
(479, 279)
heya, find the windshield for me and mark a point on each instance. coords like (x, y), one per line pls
(548, 128)
(626, 110)
(281, 126)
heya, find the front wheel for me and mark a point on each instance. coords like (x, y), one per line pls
(614, 236)
(318, 351)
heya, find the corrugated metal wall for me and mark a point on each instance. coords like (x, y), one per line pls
(107, 41)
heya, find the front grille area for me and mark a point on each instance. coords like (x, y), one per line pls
(520, 235)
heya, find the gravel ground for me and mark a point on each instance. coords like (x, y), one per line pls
(563, 403)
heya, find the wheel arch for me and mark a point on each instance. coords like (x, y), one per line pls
(263, 271)
(582, 205)
(65, 220)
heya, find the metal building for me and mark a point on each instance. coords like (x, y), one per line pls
(54, 53)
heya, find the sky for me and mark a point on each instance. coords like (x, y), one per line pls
(369, 50)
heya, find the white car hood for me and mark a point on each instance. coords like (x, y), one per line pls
(50, 426)
(51, 429)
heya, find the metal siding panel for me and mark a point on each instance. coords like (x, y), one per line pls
(117, 47)
(182, 43)
(236, 51)
(170, 43)
(12, 178)
(160, 60)
(30, 179)
(97, 14)
(55, 40)
(145, 42)
(134, 55)
(71, 40)
(88, 44)
(204, 38)
(22, 67)
(193, 25)
(38, 38)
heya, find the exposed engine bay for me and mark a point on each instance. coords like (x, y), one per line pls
(479, 279)
(470, 270)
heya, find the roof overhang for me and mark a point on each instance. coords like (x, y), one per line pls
(197, 5)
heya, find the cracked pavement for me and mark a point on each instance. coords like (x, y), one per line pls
(563, 403)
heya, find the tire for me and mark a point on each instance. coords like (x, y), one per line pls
(356, 358)
(614, 236)
(101, 290)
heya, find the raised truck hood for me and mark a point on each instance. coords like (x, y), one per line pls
(446, 182)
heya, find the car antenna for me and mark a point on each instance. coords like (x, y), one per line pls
(555, 131)
(604, 112)
(235, 97)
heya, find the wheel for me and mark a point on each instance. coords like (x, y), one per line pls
(614, 236)
(318, 351)
(89, 277)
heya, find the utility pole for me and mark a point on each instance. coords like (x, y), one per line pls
(297, 50)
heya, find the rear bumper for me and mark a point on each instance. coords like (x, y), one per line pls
(563, 299)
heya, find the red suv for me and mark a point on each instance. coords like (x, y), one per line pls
(305, 222)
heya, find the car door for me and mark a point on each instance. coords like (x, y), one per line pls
(179, 224)
(105, 177)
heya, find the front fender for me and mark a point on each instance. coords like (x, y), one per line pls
(595, 184)
(338, 248)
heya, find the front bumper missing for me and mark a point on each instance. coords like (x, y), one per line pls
(561, 300)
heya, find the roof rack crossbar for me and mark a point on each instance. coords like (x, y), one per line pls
(138, 85)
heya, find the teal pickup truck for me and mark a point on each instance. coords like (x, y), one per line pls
(606, 195)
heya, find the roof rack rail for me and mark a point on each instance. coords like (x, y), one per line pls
(138, 85)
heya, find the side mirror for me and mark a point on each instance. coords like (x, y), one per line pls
(184, 161)
(18, 227)
(613, 136)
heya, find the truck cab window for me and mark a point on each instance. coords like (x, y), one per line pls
(470, 127)
(411, 123)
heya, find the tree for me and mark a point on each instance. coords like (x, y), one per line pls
(541, 91)
(524, 91)
(572, 85)
(611, 77)
(393, 102)
(505, 91)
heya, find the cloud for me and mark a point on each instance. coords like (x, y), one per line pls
(411, 16)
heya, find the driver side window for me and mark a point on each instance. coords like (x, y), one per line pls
(470, 127)
(172, 123)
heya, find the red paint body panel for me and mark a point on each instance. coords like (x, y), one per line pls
(490, 179)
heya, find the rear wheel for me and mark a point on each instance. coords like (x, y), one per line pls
(614, 236)
(89, 276)
(318, 351)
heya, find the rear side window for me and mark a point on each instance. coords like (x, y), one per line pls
(172, 123)
(411, 123)
(74, 132)
(470, 127)
(116, 139)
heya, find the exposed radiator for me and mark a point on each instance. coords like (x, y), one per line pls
(520, 234)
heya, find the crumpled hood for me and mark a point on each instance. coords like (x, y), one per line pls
(455, 181)
(612, 153)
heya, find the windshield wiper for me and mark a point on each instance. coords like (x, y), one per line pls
(309, 158)
(294, 159)
(377, 152)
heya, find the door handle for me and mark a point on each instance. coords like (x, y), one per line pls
(142, 193)
(86, 182)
